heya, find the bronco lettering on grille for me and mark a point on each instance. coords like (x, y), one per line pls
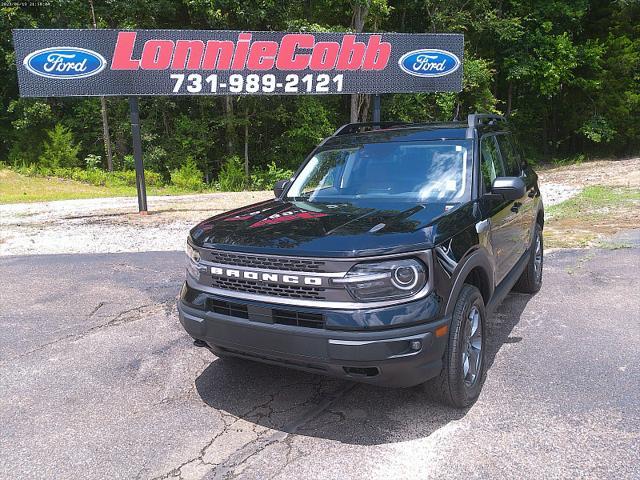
(266, 277)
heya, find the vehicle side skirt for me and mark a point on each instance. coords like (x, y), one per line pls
(508, 282)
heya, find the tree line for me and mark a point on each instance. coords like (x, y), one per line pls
(565, 72)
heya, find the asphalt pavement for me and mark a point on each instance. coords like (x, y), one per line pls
(98, 380)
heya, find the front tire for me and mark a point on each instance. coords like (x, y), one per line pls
(460, 381)
(531, 279)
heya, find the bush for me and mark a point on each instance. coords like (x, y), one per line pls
(156, 158)
(572, 160)
(128, 178)
(93, 161)
(266, 179)
(188, 176)
(59, 150)
(28, 170)
(128, 162)
(231, 177)
(94, 176)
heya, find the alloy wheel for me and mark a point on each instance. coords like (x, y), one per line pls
(537, 260)
(472, 347)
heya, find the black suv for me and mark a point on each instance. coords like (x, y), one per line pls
(378, 261)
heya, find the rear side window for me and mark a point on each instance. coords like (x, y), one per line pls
(491, 166)
(510, 157)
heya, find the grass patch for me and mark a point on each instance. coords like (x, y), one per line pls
(17, 188)
(594, 213)
(596, 200)
(613, 245)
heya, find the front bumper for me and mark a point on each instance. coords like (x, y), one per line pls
(386, 357)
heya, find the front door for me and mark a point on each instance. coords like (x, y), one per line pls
(505, 228)
(525, 206)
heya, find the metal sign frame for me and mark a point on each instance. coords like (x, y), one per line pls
(133, 63)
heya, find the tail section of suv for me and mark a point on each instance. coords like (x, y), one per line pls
(379, 261)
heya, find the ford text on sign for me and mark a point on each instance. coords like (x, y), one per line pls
(205, 62)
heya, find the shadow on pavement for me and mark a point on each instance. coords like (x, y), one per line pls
(272, 396)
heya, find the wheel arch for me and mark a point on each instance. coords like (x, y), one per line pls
(477, 270)
(540, 218)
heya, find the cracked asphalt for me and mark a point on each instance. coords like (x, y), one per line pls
(98, 380)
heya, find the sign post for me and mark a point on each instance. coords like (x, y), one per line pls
(137, 155)
(375, 114)
(132, 63)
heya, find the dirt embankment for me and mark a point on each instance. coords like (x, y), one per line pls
(614, 173)
(593, 214)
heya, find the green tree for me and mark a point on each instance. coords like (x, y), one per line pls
(60, 150)
(564, 71)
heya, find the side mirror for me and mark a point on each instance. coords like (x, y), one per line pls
(279, 187)
(511, 188)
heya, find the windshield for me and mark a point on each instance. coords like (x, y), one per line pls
(436, 171)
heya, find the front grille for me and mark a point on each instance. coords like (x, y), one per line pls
(298, 319)
(268, 263)
(288, 291)
(279, 316)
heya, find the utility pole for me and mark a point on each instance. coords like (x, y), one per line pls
(103, 109)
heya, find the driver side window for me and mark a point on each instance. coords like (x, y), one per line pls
(490, 162)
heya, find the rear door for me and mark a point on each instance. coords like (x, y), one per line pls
(505, 231)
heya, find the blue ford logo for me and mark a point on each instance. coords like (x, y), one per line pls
(64, 62)
(429, 63)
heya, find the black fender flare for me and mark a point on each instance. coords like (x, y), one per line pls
(479, 258)
(540, 211)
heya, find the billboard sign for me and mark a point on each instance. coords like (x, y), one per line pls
(61, 63)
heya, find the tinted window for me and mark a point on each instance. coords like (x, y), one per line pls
(491, 165)
(509, 156)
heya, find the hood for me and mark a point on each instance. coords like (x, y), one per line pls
(318, 229)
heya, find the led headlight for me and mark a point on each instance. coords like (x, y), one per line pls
(388, 280)
(193, 261)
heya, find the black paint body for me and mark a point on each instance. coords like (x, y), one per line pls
(485, 241)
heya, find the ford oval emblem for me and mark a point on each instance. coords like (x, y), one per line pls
(65, 62)
(429, 63)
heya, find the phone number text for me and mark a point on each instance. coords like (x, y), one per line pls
(254, 83)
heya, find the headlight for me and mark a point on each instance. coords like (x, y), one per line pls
(388, 280)
(193, 261)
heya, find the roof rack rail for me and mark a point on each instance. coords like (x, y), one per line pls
(356, 127)
(477, 119)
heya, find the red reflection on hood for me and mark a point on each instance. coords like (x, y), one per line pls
(287, 216)
(246, 216)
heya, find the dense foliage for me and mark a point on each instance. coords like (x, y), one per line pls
(566, 72)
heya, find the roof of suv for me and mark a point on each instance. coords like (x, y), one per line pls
(403, 132)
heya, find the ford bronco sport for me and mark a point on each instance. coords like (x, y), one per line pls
(379, 261)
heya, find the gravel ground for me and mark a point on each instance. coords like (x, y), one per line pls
(111, 225)
(99, 381)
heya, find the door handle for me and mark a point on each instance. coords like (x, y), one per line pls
(515, 207)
